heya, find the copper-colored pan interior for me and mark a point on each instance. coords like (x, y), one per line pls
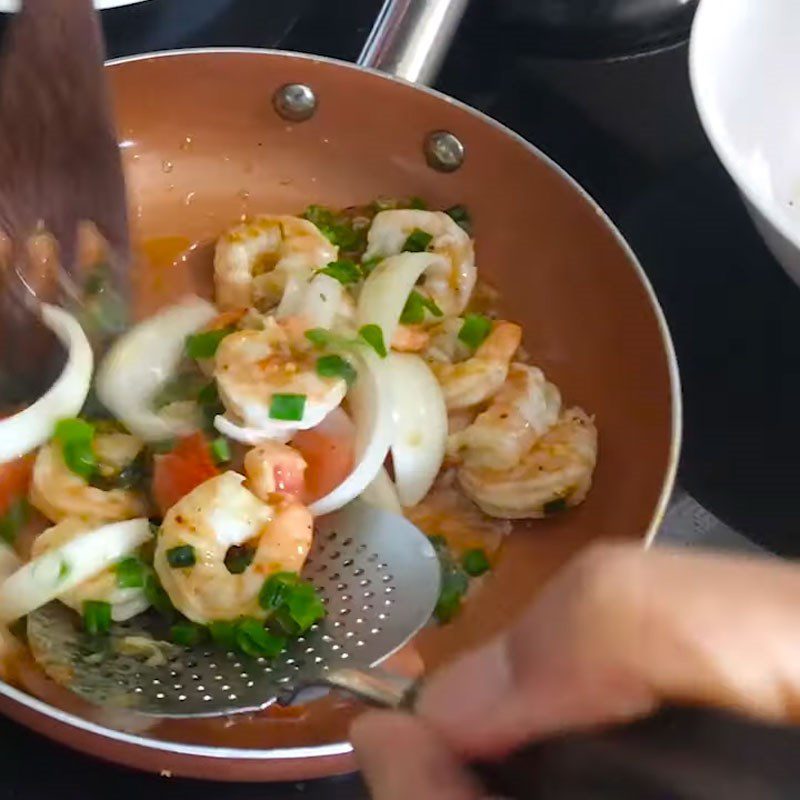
(203, 146)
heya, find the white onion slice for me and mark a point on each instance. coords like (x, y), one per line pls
(281, 432)
(387, 288)
(321, 300)
(370, 405)
(419, 434)
(63, 568)
(382, 493)
(142, 361)
(25, 431)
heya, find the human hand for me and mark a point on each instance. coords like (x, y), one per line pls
(618, 632)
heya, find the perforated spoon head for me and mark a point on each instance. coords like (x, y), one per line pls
(378, 576)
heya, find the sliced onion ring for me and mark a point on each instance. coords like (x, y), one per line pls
(142, 361)
(370, 405)
(63, 568)
(30, 428)
(385, 292)
(382, 493)
(419, 437)
(241, 433)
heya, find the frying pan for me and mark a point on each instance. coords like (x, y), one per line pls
(208, 135)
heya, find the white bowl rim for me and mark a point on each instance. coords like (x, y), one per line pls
(722, 146)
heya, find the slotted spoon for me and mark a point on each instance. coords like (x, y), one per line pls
(379, 578)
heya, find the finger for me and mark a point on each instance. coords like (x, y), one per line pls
(618, 633)
(401, 759)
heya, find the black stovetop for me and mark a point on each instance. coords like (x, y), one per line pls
(627, 130)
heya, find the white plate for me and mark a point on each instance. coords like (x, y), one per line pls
(13, 5)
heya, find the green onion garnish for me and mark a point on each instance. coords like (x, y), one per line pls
(460, 215)
(454, 581)
(334, 366)
(475, 562)
(181, 556)
(335, 227)
(220, 450)
(275, 589)
(238, 558)
(223, 633)
(369, 264)
(555, 506)
(474, 331)
(319, 337)
(205, 344)
(343, 271)
(64, 570)
(130, 573)
(96, 617)
(417, 241)
(188, 634)
(208, 395)
(253, 639)
(415, 307)
(14, 519)
(76, 437)
(157, 596)
(294, 601)
(289, 407)
(373, 336)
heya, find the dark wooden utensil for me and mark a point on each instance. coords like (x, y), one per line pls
(59, 166)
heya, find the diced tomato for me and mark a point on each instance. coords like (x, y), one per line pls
(328, 452)
(15, 477)
(176, 473)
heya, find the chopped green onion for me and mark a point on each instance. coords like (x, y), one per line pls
(335, 227)
(181, 556)
(253, 639)
(417, 241)
(454, 582)
(474, 331)
(64, 570)
(369, 264)
(373, 336)
(555, 506)
(334, 366)
(238, 558)
(475, 562)
(130, 573)
(304, 606)
(288, 407)
(223, 633)
(220, 450)
(157, 596)
(188, 634)
(205, 344)
(460, 215)
(276, 588)
(76, 437)
(14, 519)
(96, 616)
(319, 337)
(414, 309)
(343, 271)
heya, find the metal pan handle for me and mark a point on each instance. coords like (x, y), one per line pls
(410, 38)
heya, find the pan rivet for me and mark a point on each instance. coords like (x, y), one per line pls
(295, 102)
(443, 151)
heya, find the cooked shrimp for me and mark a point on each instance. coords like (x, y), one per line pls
(449, 287)
(58, 492)
(252, 367)
(219, 514)
(556, 473)
(517, 416)
(125, 603)
(476, 379)
(253, 260)
(410, 339)
(273, 468)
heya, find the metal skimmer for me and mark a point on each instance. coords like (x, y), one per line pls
(379, 578)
